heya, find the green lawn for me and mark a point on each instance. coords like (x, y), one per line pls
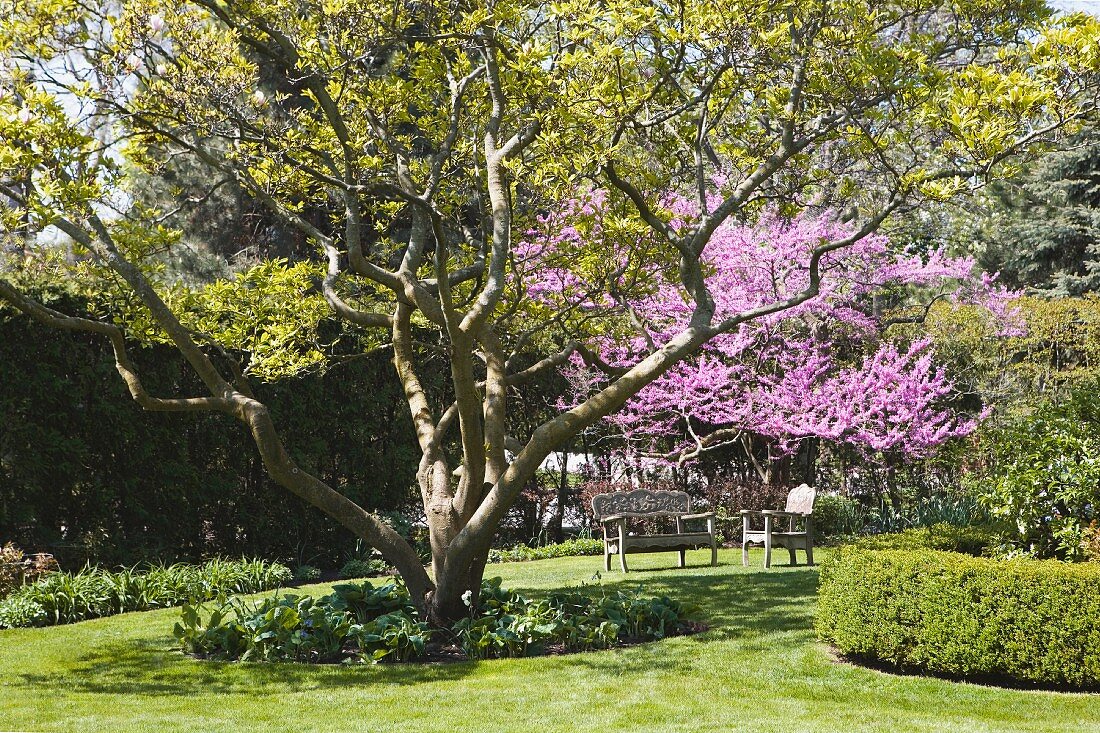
(758, 668)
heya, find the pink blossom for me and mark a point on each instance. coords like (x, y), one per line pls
(822, 369)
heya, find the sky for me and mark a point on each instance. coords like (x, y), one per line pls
(1088, 6)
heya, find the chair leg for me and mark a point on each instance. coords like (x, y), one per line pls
(683, 559)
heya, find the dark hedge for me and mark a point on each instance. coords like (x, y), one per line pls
(88, 475)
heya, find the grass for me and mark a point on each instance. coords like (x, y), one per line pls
(758, 668)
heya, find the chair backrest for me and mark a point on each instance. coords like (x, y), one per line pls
(801, 500)
(640, 502)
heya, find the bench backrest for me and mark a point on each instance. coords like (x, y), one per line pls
(801, 500)
(641, 502)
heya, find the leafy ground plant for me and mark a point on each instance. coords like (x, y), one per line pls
(380, 624)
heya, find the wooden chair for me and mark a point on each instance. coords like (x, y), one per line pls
(614, 509)
(800, 505)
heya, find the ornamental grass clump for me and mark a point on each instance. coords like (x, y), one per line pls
(1018, 621)
(92, 592)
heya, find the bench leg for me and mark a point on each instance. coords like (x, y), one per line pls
(767, 541)
(622, 559)
(683, 559)
(713, 553)
(809, 554)
(794, 558)
(606, 560)
(744, 552)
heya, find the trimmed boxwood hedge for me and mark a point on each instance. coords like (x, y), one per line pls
(944, 613)
(969, 540)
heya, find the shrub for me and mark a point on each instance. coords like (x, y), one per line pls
(1090, 541)
(62, 598)
(945, 613)
(357, 568)
(1044, 479)
(11, 568)
(727, 497)
(837, 516)
(568, 548)
(307, 573)
(973, 540)
(17, 568)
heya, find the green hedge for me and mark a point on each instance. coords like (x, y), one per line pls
(945, 613)
(970, 540)
(568, 548)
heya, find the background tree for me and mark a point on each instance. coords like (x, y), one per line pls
(1042, 227)
(432, 134)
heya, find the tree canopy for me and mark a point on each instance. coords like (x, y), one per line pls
(415, 144)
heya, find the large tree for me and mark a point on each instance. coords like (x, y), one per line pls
(415, 143)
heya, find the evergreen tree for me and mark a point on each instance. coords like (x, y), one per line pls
(1043, 230)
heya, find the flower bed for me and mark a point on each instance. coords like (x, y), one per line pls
(360, 622)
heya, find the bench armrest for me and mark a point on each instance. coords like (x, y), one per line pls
(612, 518)
(780, 513)
(751, 511)
(701, 515)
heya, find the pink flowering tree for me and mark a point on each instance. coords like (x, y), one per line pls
(823, 369)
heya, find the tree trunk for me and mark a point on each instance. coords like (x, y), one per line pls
(892, 492)
(554, 529)
(810, 450)
(778, 470)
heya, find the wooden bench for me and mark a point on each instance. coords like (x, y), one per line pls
(800, 505)
(613, 510)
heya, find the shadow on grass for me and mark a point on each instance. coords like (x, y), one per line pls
(735, 603)
(746, 605)
(145, 667)
(735, 600)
